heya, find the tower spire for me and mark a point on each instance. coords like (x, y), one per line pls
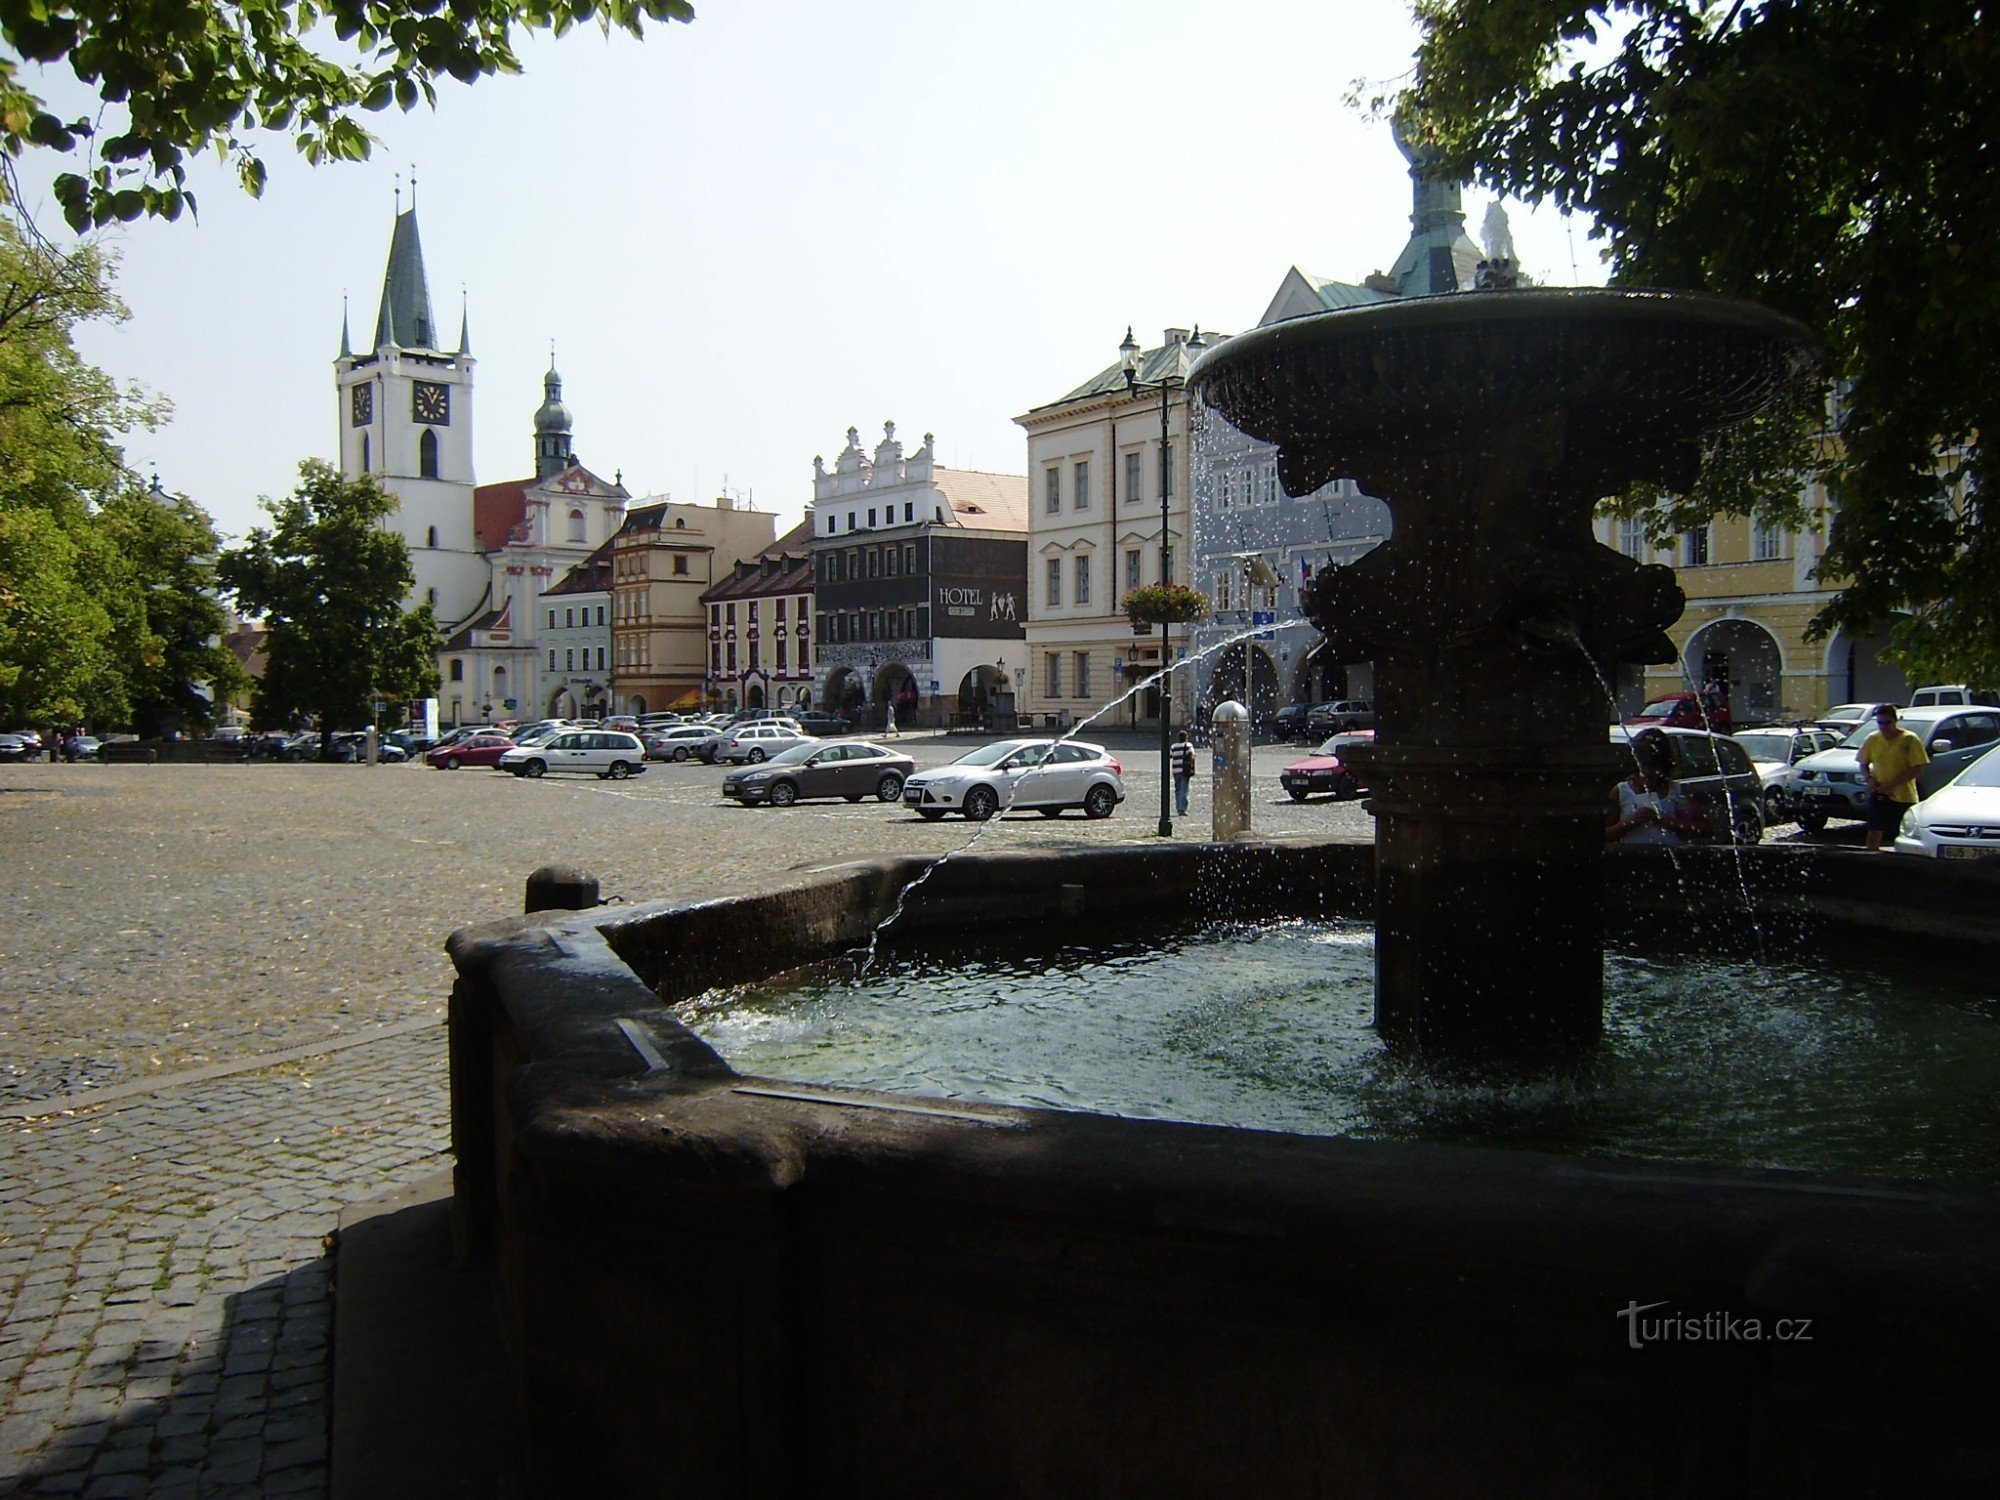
(405, 320)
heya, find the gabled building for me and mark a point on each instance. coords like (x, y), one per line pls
(760, 628)
(1095, 464)
(919, 573)
(664, 558)
(576, 639)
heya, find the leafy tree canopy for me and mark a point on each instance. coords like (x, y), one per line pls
(180, 79)
(329, 580)
(1829, 158)
(106, 616)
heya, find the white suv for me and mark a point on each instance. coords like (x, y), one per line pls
(601, 752)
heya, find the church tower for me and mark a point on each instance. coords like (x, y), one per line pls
(405, 415)
(553, 452)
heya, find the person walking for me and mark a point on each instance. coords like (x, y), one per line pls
(1890, 759)
(1183, 765)
(889, 722)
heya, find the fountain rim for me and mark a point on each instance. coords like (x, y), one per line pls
(1452, 312)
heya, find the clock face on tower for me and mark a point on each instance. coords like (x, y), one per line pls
(431, 403)
(364, 405)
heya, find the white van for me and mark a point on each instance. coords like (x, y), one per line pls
(1954, 695)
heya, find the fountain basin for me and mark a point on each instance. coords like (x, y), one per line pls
(719, 1284)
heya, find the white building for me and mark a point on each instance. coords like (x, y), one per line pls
(483, 556)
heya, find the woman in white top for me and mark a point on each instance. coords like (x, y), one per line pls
(1651, 809)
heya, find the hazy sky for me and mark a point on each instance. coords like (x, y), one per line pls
(746, 234)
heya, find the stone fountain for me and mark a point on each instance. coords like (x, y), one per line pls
(1491, 424)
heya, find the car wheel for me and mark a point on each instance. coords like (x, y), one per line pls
(930, 814)
(1774, 806)
(1746, 824)
(452, 762)
(783, 794)
(535, 768)
(1099, 801)
(680, 752)
(1299, 793)
(1813, 822)
(889, 788)
(980, 804)
(619, 770)
(755, 757)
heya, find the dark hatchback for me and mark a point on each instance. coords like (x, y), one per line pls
(853, 769)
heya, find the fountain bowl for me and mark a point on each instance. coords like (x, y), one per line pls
(719, 1284)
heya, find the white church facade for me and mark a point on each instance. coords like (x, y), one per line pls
(482, 556)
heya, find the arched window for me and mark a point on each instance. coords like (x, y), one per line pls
(427, 455)
(576, 532)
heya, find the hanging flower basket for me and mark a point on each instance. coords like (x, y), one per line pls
(1164, 604)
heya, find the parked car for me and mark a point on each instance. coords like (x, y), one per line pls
(758, 741)
(1829, 785)
(1774, 750)
(13, 747)
(623, 723)
(1339, 717)
(1049, 776)
(1960, 820)
(814, 722)
(1716, 772)
(1954, 695)
(1844, 716)
(1289, 722)
(481, 749)
(1324, 773)
(683, 742)
(86, 747)
(31, 744)
(853, 769)
(596, 752)
(1709, 711)
(352, 745)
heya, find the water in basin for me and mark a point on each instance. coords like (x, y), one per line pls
(1831, 1063)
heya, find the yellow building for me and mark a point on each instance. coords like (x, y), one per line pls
(663, 559)
(1751, 594)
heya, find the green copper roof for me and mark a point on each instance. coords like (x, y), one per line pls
(405, 320)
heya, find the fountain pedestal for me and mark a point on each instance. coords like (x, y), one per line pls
(1491, 425)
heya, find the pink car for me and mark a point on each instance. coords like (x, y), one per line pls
(475, 750)
(1324, 773)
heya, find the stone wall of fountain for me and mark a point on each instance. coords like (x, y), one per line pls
(715, 1284)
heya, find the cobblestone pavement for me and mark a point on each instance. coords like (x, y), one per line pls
(222, 994)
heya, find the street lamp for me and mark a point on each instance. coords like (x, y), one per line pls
(1257, 574)
(1166, 385)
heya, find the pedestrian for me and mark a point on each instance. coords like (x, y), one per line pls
(1183, 758)
(1651, 809)
(1890, 759)
(889, 723)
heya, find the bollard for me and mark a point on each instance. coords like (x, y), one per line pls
(1229, 768)
(561, 888)
(372, 747)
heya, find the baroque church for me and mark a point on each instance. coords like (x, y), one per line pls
(482, 555)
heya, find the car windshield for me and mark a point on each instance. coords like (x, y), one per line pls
(1982, 772)
(1659, 708)
(1334, 746)
(1766, 746)
(793, 756)
(989, 755)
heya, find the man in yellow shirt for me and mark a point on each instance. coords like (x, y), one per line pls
(1890, 759)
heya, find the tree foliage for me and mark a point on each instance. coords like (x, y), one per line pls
(329, 580)
(1829, 158)
(106, 616)
(176, 80)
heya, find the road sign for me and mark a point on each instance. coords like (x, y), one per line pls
(1264, 617)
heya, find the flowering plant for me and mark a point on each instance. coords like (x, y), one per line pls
(1164, 604)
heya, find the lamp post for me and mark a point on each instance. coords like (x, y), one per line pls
(1257, 574)
(1166, 385)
